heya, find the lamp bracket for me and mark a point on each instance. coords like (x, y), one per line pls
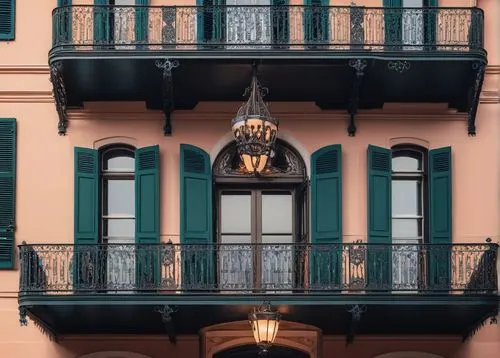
(356, 312)
(359, 66)
(167, 319)
(167, 92)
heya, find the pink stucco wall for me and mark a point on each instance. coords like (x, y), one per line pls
(45, 174)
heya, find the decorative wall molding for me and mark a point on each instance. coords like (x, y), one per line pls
(24, 69)
(26, 97)
(223, 115)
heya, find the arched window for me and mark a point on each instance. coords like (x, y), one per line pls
(259, 219)
(409, 214)
(117, 172)
(409, 194)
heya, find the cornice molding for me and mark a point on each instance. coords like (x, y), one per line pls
(223, 115)
(24, 70)
(493, 69)
(26, 97)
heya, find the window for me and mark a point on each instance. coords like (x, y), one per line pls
(117, 215)
(118, 195)
(117, 174)
(409, 208)
(259, 220)
(7, 20)
(250, 223)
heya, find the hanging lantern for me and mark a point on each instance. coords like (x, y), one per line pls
(254, 129)
(265, 325)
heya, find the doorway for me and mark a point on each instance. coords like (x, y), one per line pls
(252, 351)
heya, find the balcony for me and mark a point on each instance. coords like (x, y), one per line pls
(70, 289)
(339, 56)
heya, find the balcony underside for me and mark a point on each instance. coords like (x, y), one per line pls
(380, 314)
(326, 81)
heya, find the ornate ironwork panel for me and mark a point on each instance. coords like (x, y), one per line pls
(257, 25)
(256, 268)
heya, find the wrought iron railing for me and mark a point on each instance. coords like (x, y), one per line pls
(250, 27)
(254, 268)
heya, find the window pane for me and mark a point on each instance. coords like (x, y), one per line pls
(120, 228)
(406, 197)
(120, 197)
(120, 164)
(406, 228)
(277, 213)
(277, 239)
(235, 239)
(236, 214)
(401, 164)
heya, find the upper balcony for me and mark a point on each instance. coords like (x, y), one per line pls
(341, 57)
(441, 289)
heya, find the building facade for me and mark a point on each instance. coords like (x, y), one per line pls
(134, 225)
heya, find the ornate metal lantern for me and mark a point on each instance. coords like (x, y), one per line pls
(254, 129)
(265, 324)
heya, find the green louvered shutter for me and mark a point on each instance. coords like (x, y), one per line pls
(280, 22)
(326, 215)
(147, 216)
(7, 20)
(86, 220)
(440, 186)
(379, 267)
(102, 28)
(431, 22)
(393, 24)
(7, 191)
(141, 22)
(63, 26)
(316, 21)
(196, 218)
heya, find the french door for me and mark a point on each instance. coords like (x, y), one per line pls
(256, 236)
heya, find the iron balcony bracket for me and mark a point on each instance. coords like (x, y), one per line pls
(490, 317)
(359, 66)
(60, 96)
(356, 311)
(167, 92)
(167, 319)
(475, 92)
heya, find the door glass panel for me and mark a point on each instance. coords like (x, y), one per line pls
(235, 261)
(413, 25)
(248, 24)
(120, 164)
(277, 231)
(406, 228)
(406, 197)
(277, 213)
(236, 214)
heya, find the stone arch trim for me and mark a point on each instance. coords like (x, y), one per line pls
(408, 354)
(103, 142)
(282, 134)
(114, 354)
(293, 335)
(410, 141)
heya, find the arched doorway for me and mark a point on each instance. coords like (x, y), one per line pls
(252, 351)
